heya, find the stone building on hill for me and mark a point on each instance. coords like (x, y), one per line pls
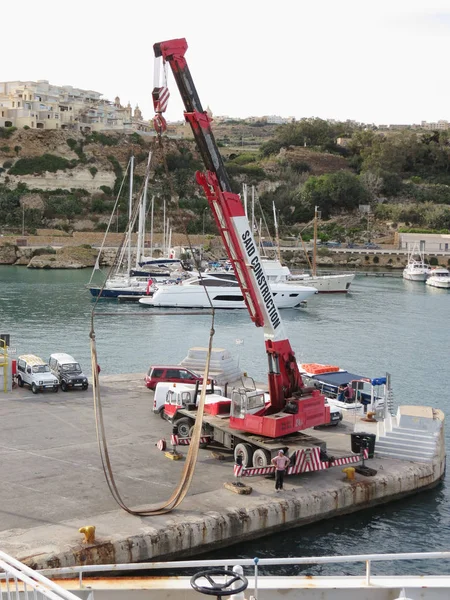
(41, 105)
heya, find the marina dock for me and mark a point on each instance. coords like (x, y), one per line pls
(53, 483)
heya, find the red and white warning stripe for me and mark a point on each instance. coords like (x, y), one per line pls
(161, 445)
(305, 461)
(178, 441)
(252, 471)
(160, 99)
(237, 470)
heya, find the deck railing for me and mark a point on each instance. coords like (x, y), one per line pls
(367, 559)
(19, 582)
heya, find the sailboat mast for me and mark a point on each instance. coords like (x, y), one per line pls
(151, 226)
(143, 216)
(314, 267)
(277, 238)
(130, 209)
(253, 209)
(244, 190)
(164, 228)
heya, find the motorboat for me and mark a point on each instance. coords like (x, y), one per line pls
(416, 269)
(369, 394)
(439, 277)
(331, 283)
(224, 291)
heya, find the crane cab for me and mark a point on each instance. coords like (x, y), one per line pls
(244, 402)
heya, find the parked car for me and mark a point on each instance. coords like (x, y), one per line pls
(336, 415)
(170, 374)
(371, 246)
(68, 371)
(352, 245)
(35, 373)
(333, 244)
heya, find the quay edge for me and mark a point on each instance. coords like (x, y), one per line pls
(65, 487)
(218, 519)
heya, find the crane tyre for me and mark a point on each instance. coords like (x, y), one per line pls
(191, 431)
(184, 426)
(246, 452)
(261, 458)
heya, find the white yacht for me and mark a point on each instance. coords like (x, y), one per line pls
(224, 291)
(416, 269)
(439, 277)
(277, 273)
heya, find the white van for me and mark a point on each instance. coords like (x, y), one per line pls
(191, 390)
(35, 372)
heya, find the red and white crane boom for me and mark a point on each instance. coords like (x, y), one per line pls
(306, 407)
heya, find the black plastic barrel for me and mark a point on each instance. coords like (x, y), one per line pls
(363, 440)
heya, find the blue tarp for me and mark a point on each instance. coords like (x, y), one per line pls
(344, 377)
(337, 379)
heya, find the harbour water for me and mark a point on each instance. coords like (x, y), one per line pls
(383, 325)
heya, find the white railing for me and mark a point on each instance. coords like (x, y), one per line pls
(367, 559)
(18, 582)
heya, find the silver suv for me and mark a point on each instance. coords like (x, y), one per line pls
(68, 371)
(34, 372)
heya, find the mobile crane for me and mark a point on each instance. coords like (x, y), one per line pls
(292, 406)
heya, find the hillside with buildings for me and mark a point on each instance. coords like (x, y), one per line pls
(64, 154)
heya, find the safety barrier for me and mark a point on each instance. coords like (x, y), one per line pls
(304, 461)
(18, 581)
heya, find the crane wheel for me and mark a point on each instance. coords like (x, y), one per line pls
(245, 451)
(201, 445)
(261, 458)
(184, 426)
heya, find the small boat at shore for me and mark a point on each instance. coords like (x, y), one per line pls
(416, 269)
(367, 393)
(439, 278)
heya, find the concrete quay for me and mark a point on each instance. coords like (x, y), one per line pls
(53, 483)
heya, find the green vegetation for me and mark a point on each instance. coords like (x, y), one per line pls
(137, 139)
(77, 147)
(39, 165)
(313, 132)
(334, 192)
(102, 138)
(118, 172)
(93, 171)
(6, 132)
(66, 206)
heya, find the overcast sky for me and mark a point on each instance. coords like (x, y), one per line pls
(383, 61)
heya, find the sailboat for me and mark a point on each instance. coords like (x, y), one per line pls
(277, 273)
(121, 282)
(164, 267)
(416, 268)
(325, 284)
